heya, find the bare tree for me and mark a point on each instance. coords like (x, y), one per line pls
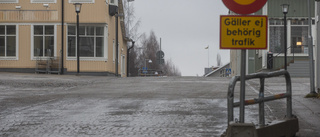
(149, 47)
(132, 27)
(146, 47)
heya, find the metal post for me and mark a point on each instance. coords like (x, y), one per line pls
(289, 91)
(145, 67)
(261, 105)
(78, 53)
(208, 56)
(117, 54)
(62, 37)
(285, 41)
(310, 47)
(242, 84)
(318, 48)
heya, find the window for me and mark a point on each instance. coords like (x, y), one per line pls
(8, 44)
(299, 36)
(297, 40)
(276, 39)
(43, 40)
(43, 1)
(114, 2)
(9, 1)
(91, 41)
(81, 1)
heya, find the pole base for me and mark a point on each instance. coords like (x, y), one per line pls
(312, 95)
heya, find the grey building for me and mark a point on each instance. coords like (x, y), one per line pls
(297, 37)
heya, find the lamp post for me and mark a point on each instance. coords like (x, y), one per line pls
(208, 54)
(310, 49)
(285, 8)
(145, 64)
(78, 9)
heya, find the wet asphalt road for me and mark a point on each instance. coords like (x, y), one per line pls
(52, 105)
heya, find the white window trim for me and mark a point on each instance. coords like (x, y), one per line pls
(32, 40)
(114, 51)
(13, 1)
(123, 65)
(43, 1)
(105, 44)
(17, 45)
(76, 1)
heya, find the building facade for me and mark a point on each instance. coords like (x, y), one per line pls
(33, 30)
(297, 41)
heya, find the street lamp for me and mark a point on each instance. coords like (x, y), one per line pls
(78, 9)
(145, 64)
(285, 8)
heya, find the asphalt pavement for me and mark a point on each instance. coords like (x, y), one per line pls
(66, 105)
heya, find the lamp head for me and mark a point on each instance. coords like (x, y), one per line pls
(285, 8)
(77, 7)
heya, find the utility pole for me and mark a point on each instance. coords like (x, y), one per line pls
(310, 47)
(318, 47)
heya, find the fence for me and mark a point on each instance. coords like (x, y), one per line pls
(48, 64)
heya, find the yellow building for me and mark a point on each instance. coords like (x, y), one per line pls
(31, 32)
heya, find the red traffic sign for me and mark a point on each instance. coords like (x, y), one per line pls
(244, 6)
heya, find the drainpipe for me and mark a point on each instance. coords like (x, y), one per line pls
(117, 47)
(318, 47)
(62, 35)
(128, 57)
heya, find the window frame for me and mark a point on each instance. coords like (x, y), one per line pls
(114, 3)
(105, 43)
(16, 57)
(303, 24)
(289, 35)
(114, 51)
(80, 1)
(39, 1)
(54, 40)
(13, 1)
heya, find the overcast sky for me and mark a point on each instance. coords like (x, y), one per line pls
(186, 28)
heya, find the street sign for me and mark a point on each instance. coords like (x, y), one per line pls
(160, 54)
(160, 61)
(244, 6)
(228, 71)
(243, 32)
(144, 71)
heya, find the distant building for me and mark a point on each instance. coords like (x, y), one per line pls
(31, 30)
(223, 71)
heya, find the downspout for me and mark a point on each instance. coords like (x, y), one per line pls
(117, 47)
(128, 57)
(62, 36)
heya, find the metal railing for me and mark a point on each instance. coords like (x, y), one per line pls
(277, 55)
(261, 99)
(47, 64)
